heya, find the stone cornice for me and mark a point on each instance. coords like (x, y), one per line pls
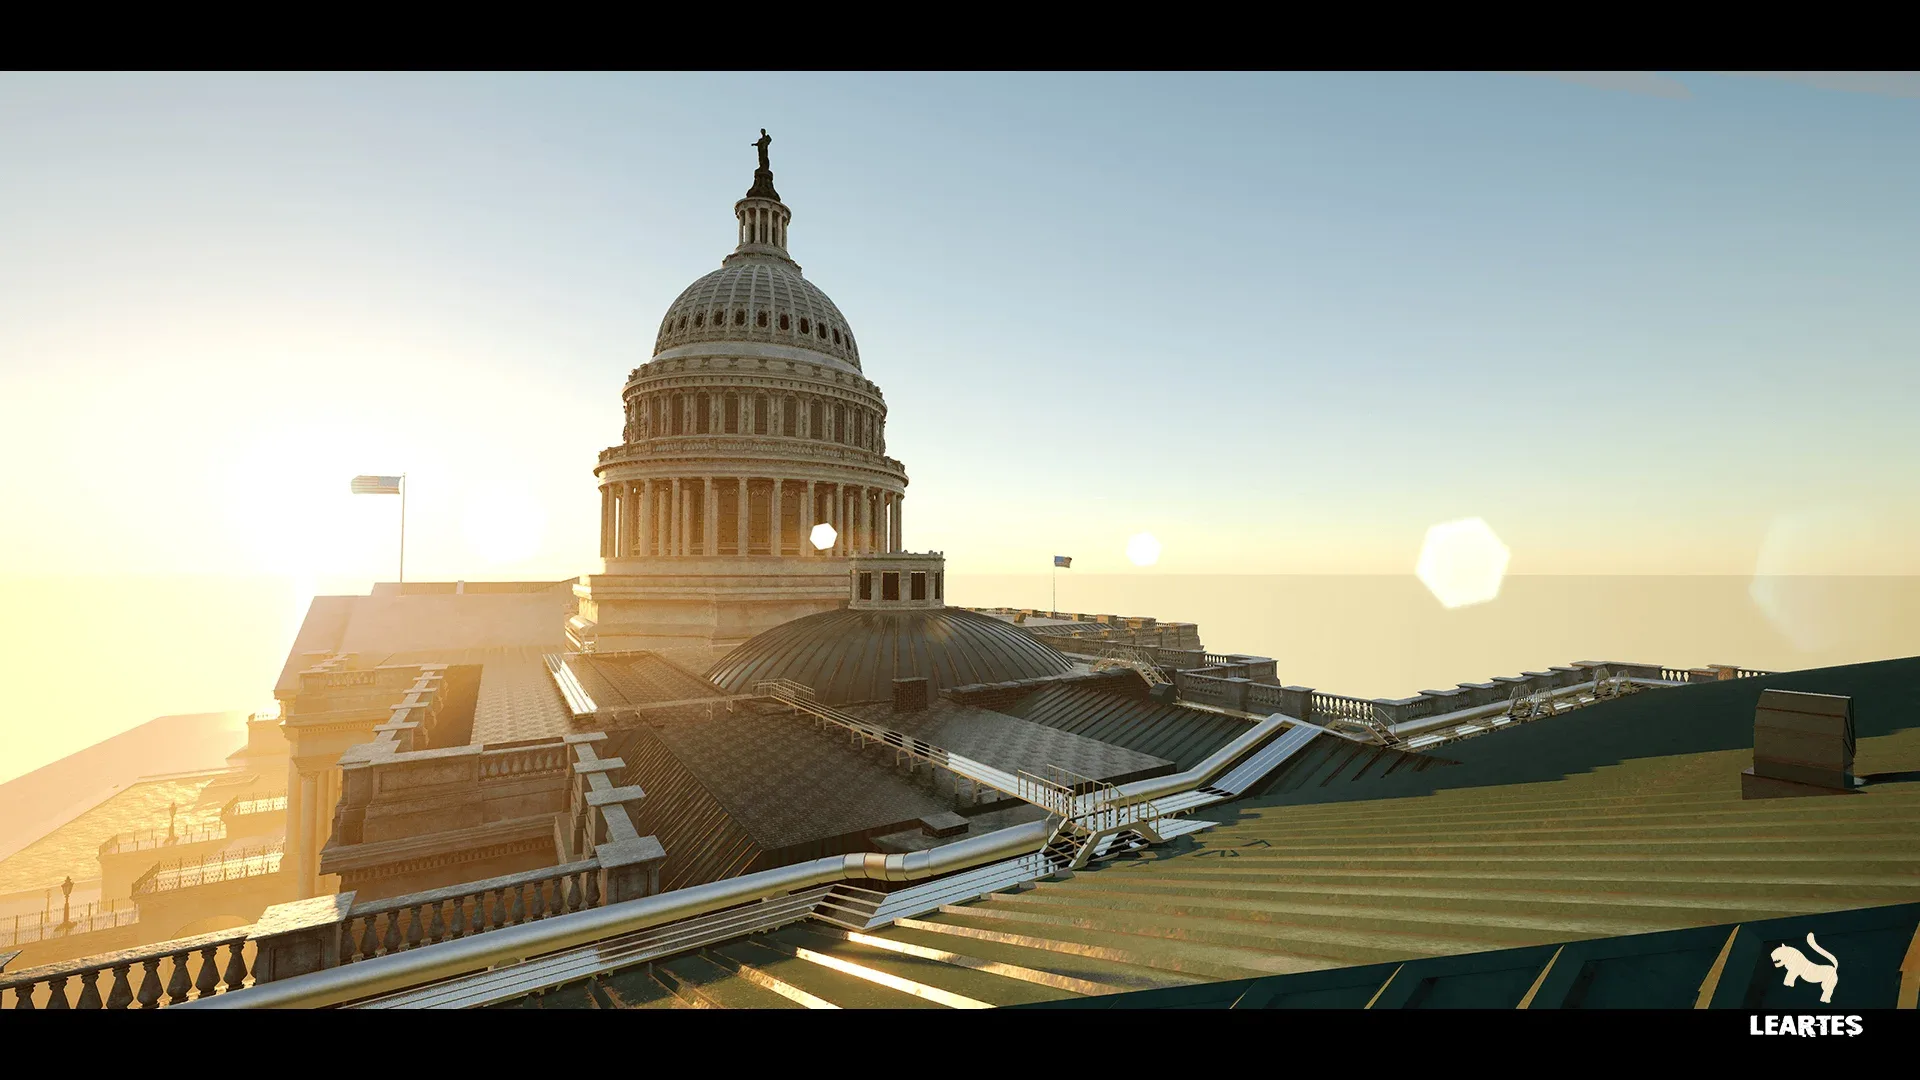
(754, 455)
(763, 370)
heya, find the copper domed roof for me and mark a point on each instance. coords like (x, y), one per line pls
(849, 656)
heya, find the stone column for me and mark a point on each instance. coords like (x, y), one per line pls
(773, 518)
(807, 523)
(746, 517)
(647, 524)
(865, 496)
(899, 521)
(709, 517)
(606, 520)
(676, 521)
(309, 830)
(839, 520)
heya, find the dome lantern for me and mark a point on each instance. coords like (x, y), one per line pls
(763, 217)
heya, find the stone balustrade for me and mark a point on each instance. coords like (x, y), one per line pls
(149, 977)
(380, 927)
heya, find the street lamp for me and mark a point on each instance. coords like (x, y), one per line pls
(66, 906)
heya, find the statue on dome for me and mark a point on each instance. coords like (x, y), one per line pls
(762, 145)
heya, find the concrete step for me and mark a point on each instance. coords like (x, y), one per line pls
(1090, 968)
(1472, 893)
(1890, 881)
(703, 984)
(1211, 948)
(1839, 844)
(1335, 937)
(845, 990)
(1857, 812)
(642, 991)
(955, 973)
(1484, 919)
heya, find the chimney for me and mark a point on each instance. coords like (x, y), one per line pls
(909, 695)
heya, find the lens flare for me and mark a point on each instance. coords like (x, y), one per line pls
(1143, 550)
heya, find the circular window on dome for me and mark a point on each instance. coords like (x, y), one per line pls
(762, 320)
(803, 327)
(784, 325)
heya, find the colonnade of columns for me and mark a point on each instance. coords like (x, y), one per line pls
(683, 516)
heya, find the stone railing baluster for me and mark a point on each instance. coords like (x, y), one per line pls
(121, 995)
(208, 980)
(415, 919)
(179, 984)
(390, 941)
(89, 990)
(149, 995)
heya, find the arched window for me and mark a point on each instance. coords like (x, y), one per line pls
(762, 320)
(683, 322)
(815, 414)
(784, 322)
(702, 415)
(730, 414)
(823, 331)
(836, 336)
(789, 417)
(840, 423)
(740, 318)
(699, 320)
(803, 327)
(760, 418)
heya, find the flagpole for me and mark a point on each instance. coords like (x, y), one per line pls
(403, 528)
(1056, 589)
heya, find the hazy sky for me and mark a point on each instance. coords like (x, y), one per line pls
(1639, 323)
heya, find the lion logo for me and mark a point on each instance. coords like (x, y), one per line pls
(1825, 976)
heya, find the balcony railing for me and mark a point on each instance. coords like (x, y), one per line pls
(151, 976)
(380, 927)
(215, 868)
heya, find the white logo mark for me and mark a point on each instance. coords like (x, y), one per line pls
(1825, 976)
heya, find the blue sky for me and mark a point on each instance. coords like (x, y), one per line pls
(1283, 321)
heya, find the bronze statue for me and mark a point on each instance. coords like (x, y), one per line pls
(762, 145)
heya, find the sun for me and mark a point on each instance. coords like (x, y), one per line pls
(1143, 549)
(505, 527)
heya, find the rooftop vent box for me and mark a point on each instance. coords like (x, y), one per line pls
(909, 695)
(1802, 745)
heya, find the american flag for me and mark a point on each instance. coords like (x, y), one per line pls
(1063, 560)
(376, 485)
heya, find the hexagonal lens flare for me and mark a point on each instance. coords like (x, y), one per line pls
(822, 536)
(1462, 563)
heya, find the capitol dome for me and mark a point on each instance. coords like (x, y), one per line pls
(854, 655)
(751, 425)
(759, 299)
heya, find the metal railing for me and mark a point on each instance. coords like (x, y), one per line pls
(259, 804)
(218, 867)
(45, 927)
(147, 841)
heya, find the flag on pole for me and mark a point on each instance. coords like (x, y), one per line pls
(376, 485)
(1063, 560)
